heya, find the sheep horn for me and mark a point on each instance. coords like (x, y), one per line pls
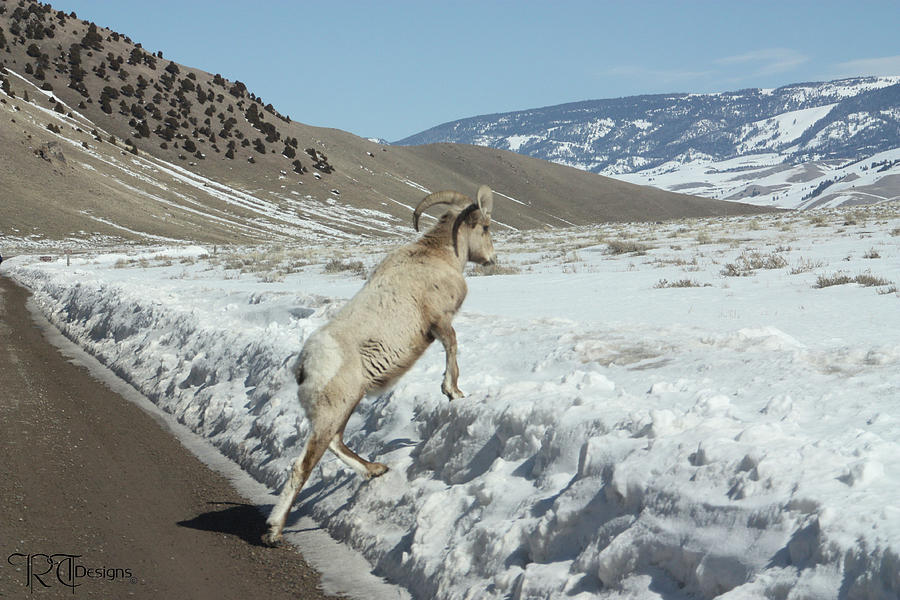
(445, 197)
(485, 202)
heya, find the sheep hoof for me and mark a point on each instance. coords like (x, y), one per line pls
(453, 393)
(272, 539)
(377, 470)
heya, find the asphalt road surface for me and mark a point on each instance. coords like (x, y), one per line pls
(95, 493)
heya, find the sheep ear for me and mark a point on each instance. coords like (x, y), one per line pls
(485, 199)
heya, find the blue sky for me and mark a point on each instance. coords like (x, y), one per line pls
(390, 68)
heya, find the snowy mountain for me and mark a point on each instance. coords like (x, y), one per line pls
(718, 145)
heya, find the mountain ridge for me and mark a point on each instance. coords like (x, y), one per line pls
(636, 138)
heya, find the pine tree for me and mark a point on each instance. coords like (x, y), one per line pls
(92, 39)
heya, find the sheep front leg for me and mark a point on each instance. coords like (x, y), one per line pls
(447, 336)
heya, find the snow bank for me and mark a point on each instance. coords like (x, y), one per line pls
(619, 448)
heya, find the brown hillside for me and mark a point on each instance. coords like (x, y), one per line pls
(139, 146)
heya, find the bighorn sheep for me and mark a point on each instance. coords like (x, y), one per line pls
(407, 303)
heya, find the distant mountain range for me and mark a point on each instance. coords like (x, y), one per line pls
(719, 145)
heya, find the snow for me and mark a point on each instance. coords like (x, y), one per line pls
(780, 130)
(620, 437)
(517, 141)
(763, 179)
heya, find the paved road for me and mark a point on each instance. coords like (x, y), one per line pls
(90, 477)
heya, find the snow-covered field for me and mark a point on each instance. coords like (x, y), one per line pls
(679, 410)
(765, 179)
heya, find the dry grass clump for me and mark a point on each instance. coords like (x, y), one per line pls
(336, 265)
(857, 217)
(872, 253)
(748, 262)
(818, 220)
(162, 260)
(807, 265)
(681, 283)
(863, 279)
(869, 280)
(494, 269)
(691, 264)
(272, 277)
(617, 247)
(823, 281)
(273, 263)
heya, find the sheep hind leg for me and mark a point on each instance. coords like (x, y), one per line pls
(300, 471)
(365, 468)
